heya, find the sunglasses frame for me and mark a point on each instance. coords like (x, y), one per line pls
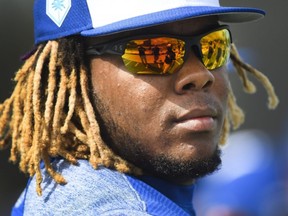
(117, 47)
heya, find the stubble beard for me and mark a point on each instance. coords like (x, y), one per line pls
(135, 152)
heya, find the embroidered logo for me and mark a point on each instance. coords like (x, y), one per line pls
(57, 10)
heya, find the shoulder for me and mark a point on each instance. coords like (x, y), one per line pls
(88, 192)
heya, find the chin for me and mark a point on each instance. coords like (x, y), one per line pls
(197, 150)
(196, 167)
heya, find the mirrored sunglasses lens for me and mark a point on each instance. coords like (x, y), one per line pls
(215, 49)
(160, 55)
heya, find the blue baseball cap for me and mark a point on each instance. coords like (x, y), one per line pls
(60, 18)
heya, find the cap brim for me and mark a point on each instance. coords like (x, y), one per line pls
(225, 14)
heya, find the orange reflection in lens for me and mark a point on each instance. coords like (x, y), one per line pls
(215, 49)
(161, 55)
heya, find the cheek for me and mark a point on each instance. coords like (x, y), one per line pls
(221, 91)
(103, 75)
(129, 99)
(222, 86)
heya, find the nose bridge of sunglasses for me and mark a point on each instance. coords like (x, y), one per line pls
(193, 47)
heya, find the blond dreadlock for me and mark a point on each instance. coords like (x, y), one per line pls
(235, 115)
(50, 114)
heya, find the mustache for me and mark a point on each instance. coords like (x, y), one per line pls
(203, 102)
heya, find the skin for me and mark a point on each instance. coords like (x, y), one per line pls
(163, 124)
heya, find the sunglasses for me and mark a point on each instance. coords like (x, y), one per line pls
(166, 54)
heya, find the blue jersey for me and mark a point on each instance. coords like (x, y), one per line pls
(103, 192)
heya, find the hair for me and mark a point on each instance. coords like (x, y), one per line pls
(50, 114)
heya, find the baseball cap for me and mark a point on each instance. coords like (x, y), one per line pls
(60, 18)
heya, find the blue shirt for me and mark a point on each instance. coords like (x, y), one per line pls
(103, 192)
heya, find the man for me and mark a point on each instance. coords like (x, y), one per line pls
(100, 134)
(142, 55)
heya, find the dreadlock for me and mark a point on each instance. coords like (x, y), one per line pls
(235, 114)
(50, 114)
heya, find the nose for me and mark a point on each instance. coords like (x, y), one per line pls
(193, 76)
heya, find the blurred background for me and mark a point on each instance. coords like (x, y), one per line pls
(253, 180)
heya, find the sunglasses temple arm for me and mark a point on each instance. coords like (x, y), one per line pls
(106, 48)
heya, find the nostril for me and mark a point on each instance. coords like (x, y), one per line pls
(188, 86)
(207, 84)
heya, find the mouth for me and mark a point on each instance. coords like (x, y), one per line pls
(198, 120)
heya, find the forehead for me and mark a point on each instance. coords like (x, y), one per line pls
(184, 27)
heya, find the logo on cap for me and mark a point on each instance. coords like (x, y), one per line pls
(57, 10)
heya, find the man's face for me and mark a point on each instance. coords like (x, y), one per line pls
(167, 125)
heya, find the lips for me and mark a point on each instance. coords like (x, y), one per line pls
(198, 120)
